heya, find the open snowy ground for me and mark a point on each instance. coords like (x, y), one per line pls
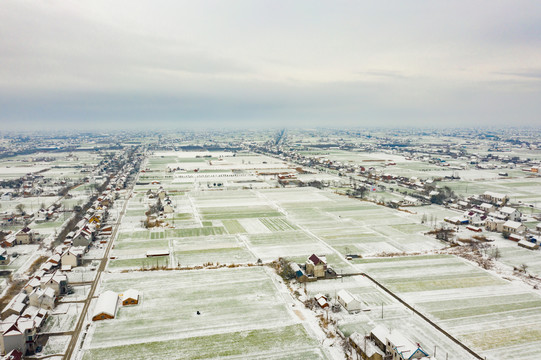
(242, 313)
(495, 317)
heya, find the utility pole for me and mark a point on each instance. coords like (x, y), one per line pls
(365, 342)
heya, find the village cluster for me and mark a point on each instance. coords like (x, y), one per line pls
(89, 226)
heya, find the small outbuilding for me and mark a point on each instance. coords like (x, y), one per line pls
(130, 297)
(348, 301)
(106, 306)
(154, 253)
(528, 245)
(321, 301)
(299, 273)
(4, 257)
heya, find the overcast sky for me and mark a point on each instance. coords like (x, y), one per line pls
(83, 64)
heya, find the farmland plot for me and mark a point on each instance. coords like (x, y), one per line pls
(487, 313)
(277, 224)
(138, 247)
(238, 212)
(233, 226)
(230, 322)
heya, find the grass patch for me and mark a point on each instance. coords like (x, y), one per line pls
(510, 336)
(182, 216)
(233, 227)
(484, 310)
(277, 224)
(444, 283)
(240, 343)
(401, 258)
(203, 231)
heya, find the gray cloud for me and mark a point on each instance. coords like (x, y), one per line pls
(531, 73)
(302, 62)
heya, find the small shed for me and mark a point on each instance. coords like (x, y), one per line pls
(516, 238)
(299, 273)
(154, 253)
(106, 306)
(528, 245)
(321, 301)
(348, 301)
(130, 297)
(4, 257)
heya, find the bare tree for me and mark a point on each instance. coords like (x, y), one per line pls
(496, 253)
(20, 208)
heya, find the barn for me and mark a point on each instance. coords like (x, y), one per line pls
(106, 306)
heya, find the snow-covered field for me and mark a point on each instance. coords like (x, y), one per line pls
(231, 302)
(492, 315)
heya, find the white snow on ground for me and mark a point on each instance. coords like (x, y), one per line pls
(254, 226)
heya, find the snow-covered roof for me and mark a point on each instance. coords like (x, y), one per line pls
(507, 210)
(494, 195)
(130, 294)
(380, 332)
(512, 224)
(33, 283)
(295, 267)
(346, 296)
(403, 345)
(496, 215)
(17, 303)
(55, 258)
(32, 312)
(157, 253)
(107, 304)
(528, 244)
(75, 250)
(56, 277)
(322, 302)
(368, 347)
